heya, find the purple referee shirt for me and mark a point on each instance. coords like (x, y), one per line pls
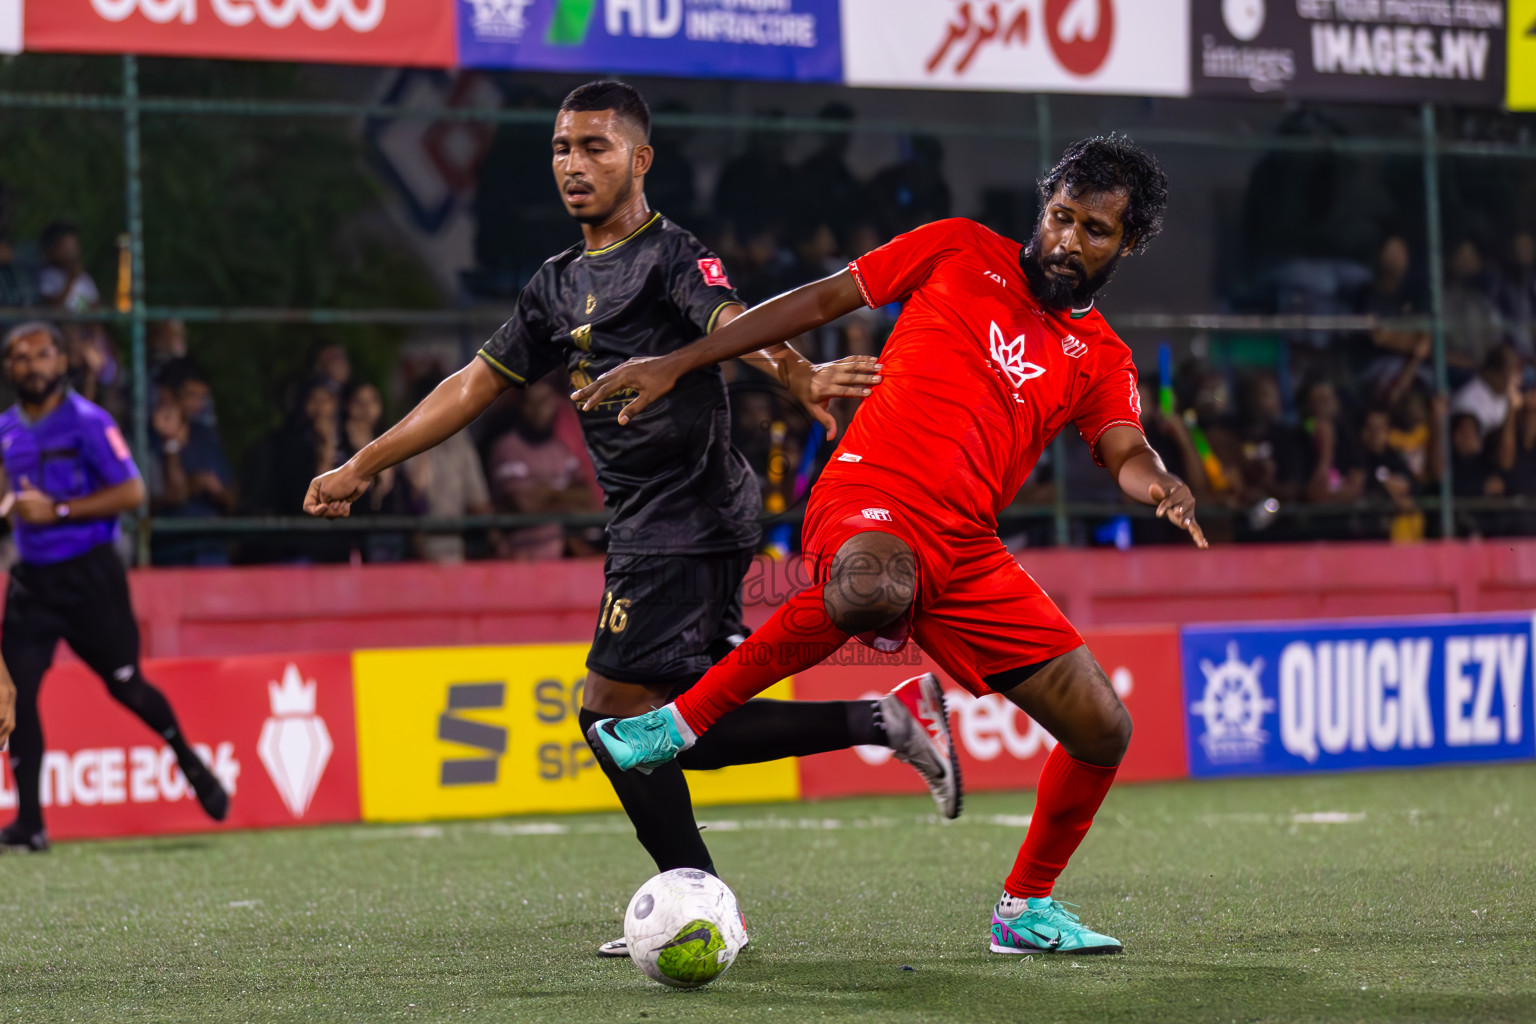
(71, 452)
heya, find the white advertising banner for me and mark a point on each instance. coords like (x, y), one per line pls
(1134, 47)
(10, 26)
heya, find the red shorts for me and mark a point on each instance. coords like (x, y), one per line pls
(977, 612)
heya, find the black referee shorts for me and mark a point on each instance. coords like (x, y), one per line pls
(664, 619)
(83, 601)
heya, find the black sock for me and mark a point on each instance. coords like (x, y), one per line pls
(766, 730)
(138, 695)
(26, 754)
(661, 810)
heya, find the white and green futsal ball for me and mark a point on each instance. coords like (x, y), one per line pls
(684, 928)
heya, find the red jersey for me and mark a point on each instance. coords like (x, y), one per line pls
(978, 375)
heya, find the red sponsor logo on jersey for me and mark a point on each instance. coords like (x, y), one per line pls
(714, 273)
(118, 445)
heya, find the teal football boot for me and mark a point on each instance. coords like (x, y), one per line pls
(641, 743)
(1046, 925)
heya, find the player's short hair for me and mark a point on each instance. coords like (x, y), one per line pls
(1113, 163)
(29, 328)
(620, 97)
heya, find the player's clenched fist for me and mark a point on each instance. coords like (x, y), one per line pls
(331, 495)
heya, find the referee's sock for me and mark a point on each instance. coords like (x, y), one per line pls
(766, 730)
(661, 810)
(138, 695)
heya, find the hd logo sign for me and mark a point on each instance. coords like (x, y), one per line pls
(1522, 55)
(1324, 696)
(467, 732)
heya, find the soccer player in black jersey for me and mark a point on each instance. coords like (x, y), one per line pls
(684, 503)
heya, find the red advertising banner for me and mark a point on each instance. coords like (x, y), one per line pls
(392, 32)
(1000, 747)
(277, 730)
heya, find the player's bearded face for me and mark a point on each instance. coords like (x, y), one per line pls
(1077, 245)
(1061, 280)
(35, 368)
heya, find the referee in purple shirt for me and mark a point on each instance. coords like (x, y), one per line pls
(70, 476)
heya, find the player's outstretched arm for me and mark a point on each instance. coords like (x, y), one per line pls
(1143, 477)
(452, 406)
(779, 319)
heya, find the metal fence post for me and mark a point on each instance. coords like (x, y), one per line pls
(1058, 446)
(139, 357)
(1431, 142)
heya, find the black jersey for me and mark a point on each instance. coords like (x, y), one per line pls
(671, 478)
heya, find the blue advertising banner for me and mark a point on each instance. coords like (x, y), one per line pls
(791, 40)
(1324, 696)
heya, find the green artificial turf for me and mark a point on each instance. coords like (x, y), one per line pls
(1367, 897)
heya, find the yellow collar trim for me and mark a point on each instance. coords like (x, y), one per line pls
(609, 248)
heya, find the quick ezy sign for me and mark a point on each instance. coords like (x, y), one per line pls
(1305, 696)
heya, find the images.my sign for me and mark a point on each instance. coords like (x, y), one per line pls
(794, 40)
(1382, 51)
(1299, 697)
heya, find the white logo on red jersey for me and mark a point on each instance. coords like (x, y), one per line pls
(1009, 358)
(1072, 346)
(999, 278)
(850, 457)
(714, 273)
(1135, 394)
(878, 514)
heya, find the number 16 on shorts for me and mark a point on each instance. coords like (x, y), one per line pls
(615, 614)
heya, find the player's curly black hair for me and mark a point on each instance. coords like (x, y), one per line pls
(1113, 163)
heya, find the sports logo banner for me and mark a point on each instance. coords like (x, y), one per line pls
(275, 729)
(1135, 47)
(1392, 51)
(417, 33)
(470, 732)
(796, 40)
(1300, 697)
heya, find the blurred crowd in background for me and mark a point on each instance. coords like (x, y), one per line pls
(1298, 435)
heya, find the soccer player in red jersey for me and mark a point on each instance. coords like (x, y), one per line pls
(997, 349)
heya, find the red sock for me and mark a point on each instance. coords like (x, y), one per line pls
(1069, 795)
(796, 637)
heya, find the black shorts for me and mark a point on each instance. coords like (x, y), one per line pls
(664, 619)
(83, 601)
